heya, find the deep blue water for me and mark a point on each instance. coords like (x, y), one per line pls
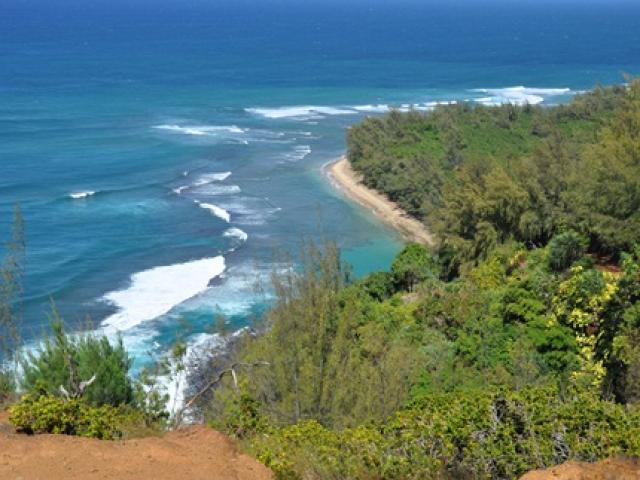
(151, 104)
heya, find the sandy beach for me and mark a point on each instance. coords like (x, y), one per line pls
(350, 182)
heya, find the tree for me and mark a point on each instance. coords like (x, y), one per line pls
(379, 285)
(565, 248)
(11, 274)
(604, 193)
(414, 264)
(67, 361)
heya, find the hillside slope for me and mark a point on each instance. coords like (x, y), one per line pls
(194, 453)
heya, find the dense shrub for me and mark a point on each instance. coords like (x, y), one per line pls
(378, 285)
(47, 414)
(64, 360)
(413, 265)
(496, 435)
(566, 248)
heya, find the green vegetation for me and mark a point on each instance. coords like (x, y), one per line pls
(412, 266)
(514, 345)
(48, 414)
(512, 366)
(11, 272)
(566, 248)
(81, 385)
(481, 176)
(462, 435)
(64, 361)
(324, 338)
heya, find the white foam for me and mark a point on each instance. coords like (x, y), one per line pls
(372, 108)
(209, 189)
(216, 210)
(306, 112)
(424, 107)
(518, 95)
(210, 178)
(299, 153)
(236, 233)
(249, 211)
(202, 130)
(198, 347)
(81, 195)
(205, 179)
(236, 293)
(154, 292)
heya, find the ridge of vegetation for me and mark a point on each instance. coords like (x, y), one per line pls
(509, 347)
(479, 176)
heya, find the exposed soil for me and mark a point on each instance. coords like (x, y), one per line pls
(191, 454)
(612, 469)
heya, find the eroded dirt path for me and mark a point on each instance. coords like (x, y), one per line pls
(194, 453)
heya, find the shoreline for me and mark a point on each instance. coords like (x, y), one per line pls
(342, 176)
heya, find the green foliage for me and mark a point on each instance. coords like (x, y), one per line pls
(64, 360)
(11, 274)
(496, 435)
(604, 190)
(509, 367)
(565, 248)
(413, 265)
(47, 414)
(481, 176)
(378, 285)
(619, 336)
(240, 414)
(7, 386)
(323, 337)
(150, 398)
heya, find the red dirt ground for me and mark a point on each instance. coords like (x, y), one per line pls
(612, 469)
(194, 453)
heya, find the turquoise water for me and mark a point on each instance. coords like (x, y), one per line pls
(163, 153)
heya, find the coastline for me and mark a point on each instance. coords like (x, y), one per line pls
(343, 177)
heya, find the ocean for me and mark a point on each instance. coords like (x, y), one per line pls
(167, 155)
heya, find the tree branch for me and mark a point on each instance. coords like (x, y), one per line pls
(214, 382)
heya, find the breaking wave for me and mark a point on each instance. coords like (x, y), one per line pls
(300, 112)
(216, 210)
(81, 195)
(518, 95)
(299, 153)
(236, 233)
(155, 292)
(202, 130)
(202, 180)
